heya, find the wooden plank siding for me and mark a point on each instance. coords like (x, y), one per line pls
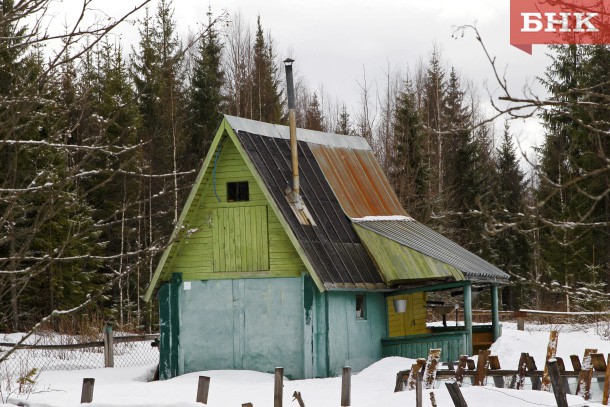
(232, 239)
(412, 322)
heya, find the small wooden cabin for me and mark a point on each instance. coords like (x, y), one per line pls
(247, 283)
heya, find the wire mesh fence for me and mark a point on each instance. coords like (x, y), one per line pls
(52, 351)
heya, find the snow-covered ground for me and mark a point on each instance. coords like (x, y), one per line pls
(372, 387)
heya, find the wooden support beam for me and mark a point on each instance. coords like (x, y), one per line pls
(556, 383)
(479, 378)
(521, 369)
(584, 378)
(461, 369)
(456, 395)
(494, 364)
(434, 357)
(415, 368)
(551, 351)
(606, 383)
(531, 367)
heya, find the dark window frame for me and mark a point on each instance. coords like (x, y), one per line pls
(360, 307)
(238, 191)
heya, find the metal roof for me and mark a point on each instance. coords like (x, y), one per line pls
(357, 181)
(309, 136)
(413, 234)
(332, 246)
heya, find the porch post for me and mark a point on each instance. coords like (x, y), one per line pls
(468, 316)
(495, 318)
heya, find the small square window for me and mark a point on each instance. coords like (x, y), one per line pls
(360, 306)
(238, 191)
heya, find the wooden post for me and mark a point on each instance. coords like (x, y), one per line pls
(203, 388)
(606, 383)
(481, 373)
(415, 368)
(433, 399)
(551, 351)
(86, 395)
(108, 346)
(494, 364)
(557, 383)
(531, 366)
(298, 398)
(468, 317)
(278, 387)
(521, 371)
(434, 357)
(520, 324)
(346, 386)
(586, 374)
(247, 405)
(419, 390)
(495, 315)
(461, 369)
(575, 363)
(562, 368)
(456, 395)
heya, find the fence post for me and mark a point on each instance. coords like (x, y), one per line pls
(557, 383)
(278, 387)
(419, 390)
(203, 389)
(346, 386)
(86, 395)
(456, 395)
(108, 345)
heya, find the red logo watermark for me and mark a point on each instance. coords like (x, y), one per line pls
(559, 22)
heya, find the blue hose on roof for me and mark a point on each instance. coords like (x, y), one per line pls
(218, 151)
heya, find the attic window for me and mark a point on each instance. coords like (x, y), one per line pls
(238, 191)
(360, 306)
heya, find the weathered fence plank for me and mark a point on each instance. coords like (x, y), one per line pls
(278, 387)
(479, 377)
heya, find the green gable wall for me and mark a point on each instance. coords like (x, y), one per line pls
(231, 239)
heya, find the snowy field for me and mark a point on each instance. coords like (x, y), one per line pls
(372, 387)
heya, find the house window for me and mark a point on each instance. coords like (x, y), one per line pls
(238, 191)
(360, 306)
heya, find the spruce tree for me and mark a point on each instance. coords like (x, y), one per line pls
(206, 100)
(313, 115)
(408, 171)
(266, 94)
(344, 125)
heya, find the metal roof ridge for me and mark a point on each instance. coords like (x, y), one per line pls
(308, 136)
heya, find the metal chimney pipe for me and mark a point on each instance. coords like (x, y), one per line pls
(292, 123)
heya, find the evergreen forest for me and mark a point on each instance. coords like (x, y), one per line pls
(100, 142)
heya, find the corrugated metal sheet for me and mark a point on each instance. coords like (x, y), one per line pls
(332, 246)
(413, 234)
(357, 181)
(309, 136)
(400, 264)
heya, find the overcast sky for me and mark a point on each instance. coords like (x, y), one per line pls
(334, 41)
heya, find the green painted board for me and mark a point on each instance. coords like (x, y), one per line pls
(399, 263)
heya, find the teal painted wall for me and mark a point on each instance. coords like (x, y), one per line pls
(258, 324)
(341, 338)
(254, 324)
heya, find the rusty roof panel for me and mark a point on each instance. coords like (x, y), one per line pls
(332, 246)
(357, 181)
